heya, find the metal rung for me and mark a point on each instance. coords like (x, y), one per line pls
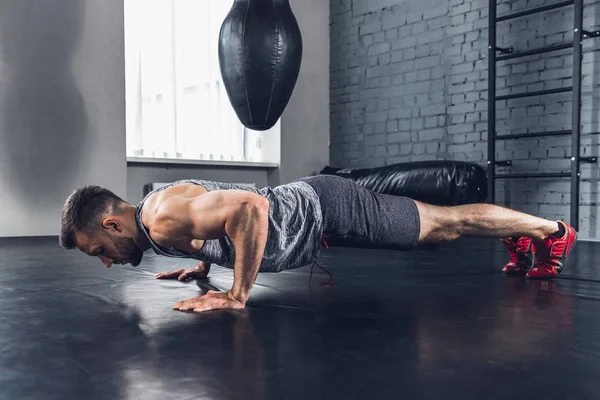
(534, 10)
(588, 160)
(538, 93)
(590, 34)
(534, 134)
(526, 176)
(504, 50)
(535, 51)
(503, 163)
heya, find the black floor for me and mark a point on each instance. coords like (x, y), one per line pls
(431, 324)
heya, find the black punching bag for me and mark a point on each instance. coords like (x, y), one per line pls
(260, 51)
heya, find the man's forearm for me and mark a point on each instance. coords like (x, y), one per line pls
(249, 240)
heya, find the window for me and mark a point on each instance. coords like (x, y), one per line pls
(177, 106)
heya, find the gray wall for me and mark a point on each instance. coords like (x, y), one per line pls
(409, 83)
(305, 122)
(62, 116)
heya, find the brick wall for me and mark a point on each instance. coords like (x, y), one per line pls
(409, 82)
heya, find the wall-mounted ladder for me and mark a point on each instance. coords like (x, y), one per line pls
(499, 54)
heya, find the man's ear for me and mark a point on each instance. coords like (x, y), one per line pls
(112, 224)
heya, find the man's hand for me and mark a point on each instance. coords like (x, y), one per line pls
(198, 272)
(210, 301)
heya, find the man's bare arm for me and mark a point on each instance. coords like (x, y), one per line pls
(185, 223)
(248, 229)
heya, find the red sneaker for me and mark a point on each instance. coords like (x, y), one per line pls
(552, 253)
(521, 255)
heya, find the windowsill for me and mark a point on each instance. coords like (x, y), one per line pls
(180, 161)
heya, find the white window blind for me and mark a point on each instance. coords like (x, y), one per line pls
(177, 107)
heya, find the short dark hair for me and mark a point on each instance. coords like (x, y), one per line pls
(84, 209)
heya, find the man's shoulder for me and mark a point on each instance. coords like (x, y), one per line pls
(159, 202)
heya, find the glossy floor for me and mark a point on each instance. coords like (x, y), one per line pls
(431, 324)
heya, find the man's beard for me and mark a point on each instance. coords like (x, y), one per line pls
(129, 251)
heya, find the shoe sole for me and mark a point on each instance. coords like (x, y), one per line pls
(570, 250)
(521, 273)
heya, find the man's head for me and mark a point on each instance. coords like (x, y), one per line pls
(100, 223)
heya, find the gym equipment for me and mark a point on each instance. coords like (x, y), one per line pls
(260, 52)
(496, 54)
(443, 183)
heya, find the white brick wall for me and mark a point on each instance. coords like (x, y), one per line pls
(409, 82)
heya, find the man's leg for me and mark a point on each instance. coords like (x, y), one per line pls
(365, 218)
(480, 220)
(552, 240)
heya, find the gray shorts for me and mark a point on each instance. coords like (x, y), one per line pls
(356, 216)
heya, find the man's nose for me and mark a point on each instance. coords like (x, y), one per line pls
(106, 261)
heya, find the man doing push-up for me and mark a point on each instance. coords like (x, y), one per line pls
(274, 229)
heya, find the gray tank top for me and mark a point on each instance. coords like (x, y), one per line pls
(295, 227)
